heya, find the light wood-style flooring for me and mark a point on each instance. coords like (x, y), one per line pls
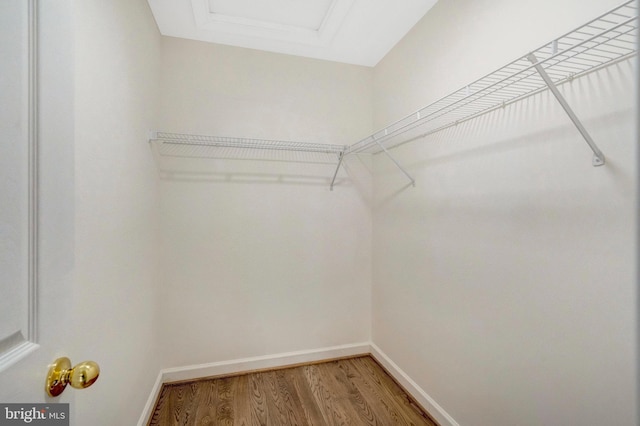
(354, 391)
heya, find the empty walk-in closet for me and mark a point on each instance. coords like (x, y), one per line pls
(220, 187)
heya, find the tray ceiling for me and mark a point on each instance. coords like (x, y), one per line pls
(353, 31)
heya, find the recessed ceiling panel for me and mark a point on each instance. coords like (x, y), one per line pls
(278, 22)
(352, 31)
(308, 14)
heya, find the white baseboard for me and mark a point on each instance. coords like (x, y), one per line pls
(262, 362)
(428, 403)
(151, 401)
(247, 364)
(291, 358)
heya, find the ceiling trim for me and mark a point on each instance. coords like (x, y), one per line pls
(207, 20)
(359, 32)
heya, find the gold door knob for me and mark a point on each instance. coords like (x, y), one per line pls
(61, 374)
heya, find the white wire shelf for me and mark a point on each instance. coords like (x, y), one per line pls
(187, 146)
(180, 143)
(603, 41)
(608, 39)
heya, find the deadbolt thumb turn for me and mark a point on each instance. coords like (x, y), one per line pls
(61, 374)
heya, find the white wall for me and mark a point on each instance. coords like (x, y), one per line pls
(259, 257)
(504, 282)
(117, 51)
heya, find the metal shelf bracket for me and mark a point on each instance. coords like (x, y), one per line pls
(413, 182)
(608, 39)
(598, 156)
(333, 181)
(185, 145)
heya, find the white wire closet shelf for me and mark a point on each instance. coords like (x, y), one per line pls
(608, 39)
(189, 146)
(179, 143)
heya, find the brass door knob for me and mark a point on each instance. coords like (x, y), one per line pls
(61, 374)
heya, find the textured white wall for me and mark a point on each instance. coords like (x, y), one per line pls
(117, 52)
(504, 283)
(260, 257)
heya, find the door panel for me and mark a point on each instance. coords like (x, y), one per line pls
(52, 193)
(17, 181)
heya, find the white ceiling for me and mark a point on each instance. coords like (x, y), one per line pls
(352, 31)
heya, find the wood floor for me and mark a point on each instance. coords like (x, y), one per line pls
(354, 391)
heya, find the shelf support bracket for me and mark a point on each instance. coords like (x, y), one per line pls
(333, 181)
(413, 182)
(598, 156)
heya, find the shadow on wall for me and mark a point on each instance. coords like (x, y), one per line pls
(531, 137)
(224, 165)
(246, 165)
(253, 178)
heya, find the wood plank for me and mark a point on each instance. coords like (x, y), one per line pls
(159, 415)
(306, 402)
(290, 400)
(277, 411)
(386, 391)
(241, 402)
(406, 400)
(258, 400)
(368, 413)
(344, 412)
(179, 396)
(224, 413)
(352, 391)
(321, 395)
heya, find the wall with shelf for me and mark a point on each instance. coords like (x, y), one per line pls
(260, 256)
(510, 267)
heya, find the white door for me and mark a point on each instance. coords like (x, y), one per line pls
(36, 196)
